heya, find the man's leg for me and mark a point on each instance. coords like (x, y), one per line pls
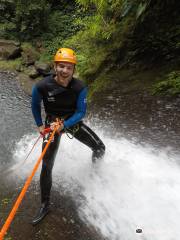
(88, 137)
(46, 176)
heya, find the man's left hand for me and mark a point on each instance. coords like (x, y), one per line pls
(55, 124)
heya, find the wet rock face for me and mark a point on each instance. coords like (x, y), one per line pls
(9, 49)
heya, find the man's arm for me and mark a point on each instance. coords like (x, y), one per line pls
(81, 109)
(36, 106)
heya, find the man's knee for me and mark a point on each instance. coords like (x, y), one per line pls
(46, 169)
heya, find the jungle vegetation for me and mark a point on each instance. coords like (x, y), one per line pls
(108, 35)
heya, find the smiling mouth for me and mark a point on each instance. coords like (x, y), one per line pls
(64, 76)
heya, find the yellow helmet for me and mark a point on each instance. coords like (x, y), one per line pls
(65, 55)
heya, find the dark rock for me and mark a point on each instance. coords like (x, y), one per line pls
(9, 49)
(27, 59)
(42, 68)
(16, 52)
(29, 56)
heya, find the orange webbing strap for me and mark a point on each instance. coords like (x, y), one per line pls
(26, 185)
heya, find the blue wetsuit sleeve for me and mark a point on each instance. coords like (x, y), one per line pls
(80, 111)
(36, 106)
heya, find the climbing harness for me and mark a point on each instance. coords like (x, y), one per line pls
(71, 131)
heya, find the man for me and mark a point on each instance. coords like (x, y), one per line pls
(64, 98)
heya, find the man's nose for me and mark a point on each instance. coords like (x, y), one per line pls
(65, 70)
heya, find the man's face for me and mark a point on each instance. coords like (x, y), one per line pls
(64, 72)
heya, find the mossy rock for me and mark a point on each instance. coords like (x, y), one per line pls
(29, 55)
(169, 86)
(42, 68)
(31, 72)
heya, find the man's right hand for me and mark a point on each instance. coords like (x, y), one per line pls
(41, 129)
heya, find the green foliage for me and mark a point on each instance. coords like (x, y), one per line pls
(54, 36)
(45, 57)
(47, 22)
(104, 32)
(11, 64)
(64, 21)
(170, 86)
(6, 14)
(5, 29)
(88, 27)
(141, 9)
(24, 19)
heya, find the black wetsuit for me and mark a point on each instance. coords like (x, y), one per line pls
(63, 103)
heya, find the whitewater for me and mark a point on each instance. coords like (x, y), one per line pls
(135, 186)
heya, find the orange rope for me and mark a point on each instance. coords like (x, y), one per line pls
(23, 191)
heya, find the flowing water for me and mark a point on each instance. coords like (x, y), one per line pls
(136, 185)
